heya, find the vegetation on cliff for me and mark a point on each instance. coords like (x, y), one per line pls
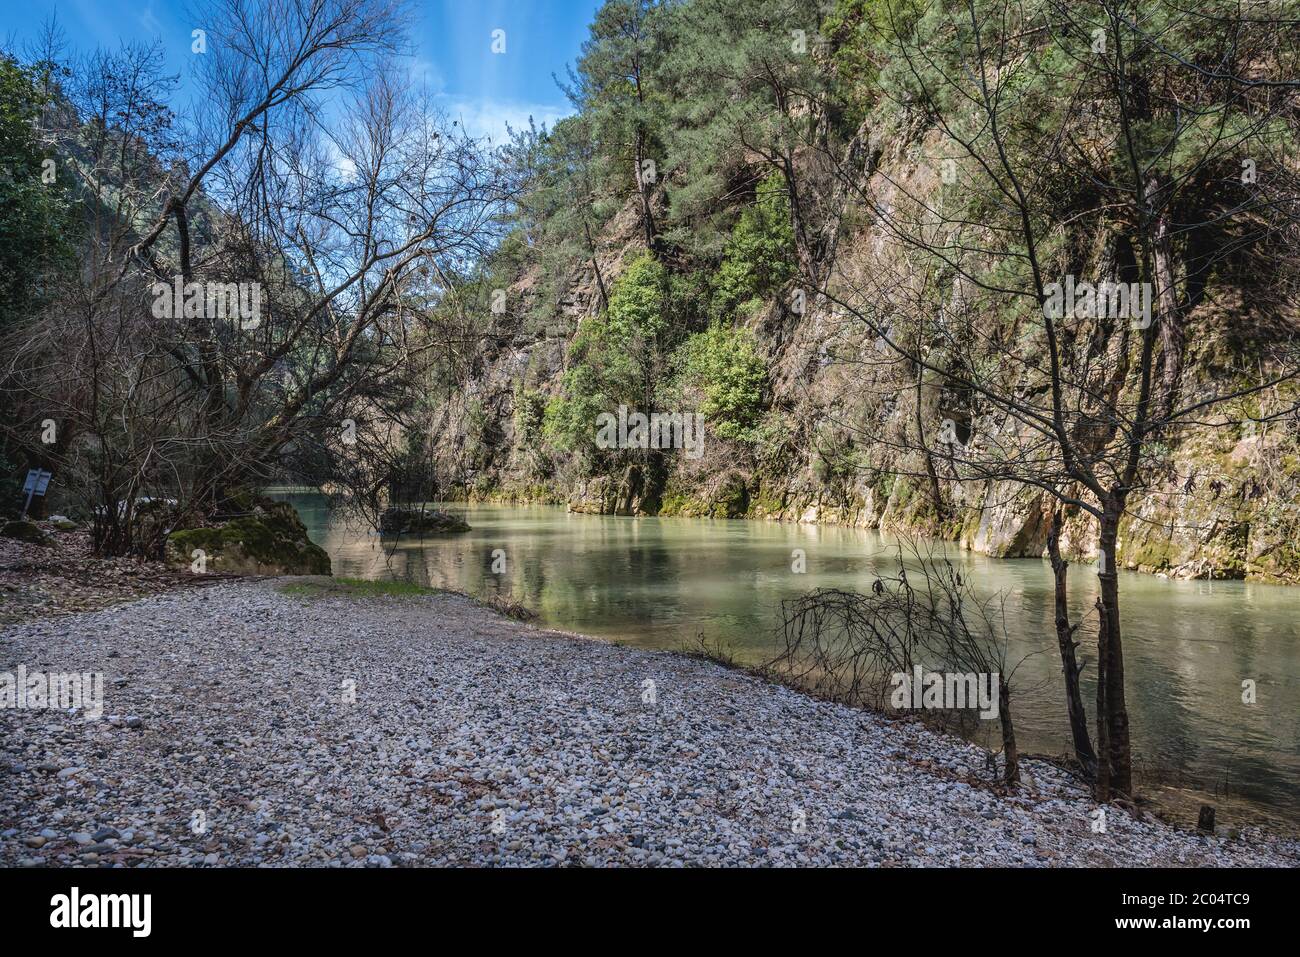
(802, 222)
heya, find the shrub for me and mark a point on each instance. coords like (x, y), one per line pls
(722, 366)
(759, 255)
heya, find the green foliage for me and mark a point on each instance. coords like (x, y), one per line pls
(759, 257)
(723, 368)
(476, 431)
(570, 419)
(619, 89)
(530, 414)
(563, 203)
(638, 302)
(741, 82)
(614, 359)
(857, 30)
(34, 215)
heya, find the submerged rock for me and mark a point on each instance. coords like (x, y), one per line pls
(270, 540)
(415, 521)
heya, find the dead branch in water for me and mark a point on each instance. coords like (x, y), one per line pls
(852, 647)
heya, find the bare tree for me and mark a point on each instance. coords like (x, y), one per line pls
(851, 646)
(314, 209)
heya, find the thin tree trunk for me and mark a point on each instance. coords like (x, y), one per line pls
(1101, 785)
(1116, 713)
(1070, 668)
(595, 264)
(647, 214)
(936, 493)
(809, 261)
(1011, 773)
(1172, 335)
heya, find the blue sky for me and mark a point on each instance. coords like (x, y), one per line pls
(452, 40)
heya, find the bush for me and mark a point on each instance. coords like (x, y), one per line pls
(530, 414)
(759, 256)
(722, 366)
(638, 301)
(612, 357)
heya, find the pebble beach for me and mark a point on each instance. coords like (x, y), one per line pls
(243, 726)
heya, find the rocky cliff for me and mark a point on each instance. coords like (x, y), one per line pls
(1223, 504)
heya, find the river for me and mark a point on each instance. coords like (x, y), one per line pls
(660, 582)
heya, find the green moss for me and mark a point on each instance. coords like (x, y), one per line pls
(1151, 555)
(274, 538)
(674, 503)
(680, 504)
(28, 532)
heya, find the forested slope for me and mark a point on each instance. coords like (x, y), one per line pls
(820, 228)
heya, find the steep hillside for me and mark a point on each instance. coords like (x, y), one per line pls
(763, 275)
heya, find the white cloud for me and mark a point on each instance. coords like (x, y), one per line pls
(489, 118)
(343, 164)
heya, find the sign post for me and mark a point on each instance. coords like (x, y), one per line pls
(38, 480)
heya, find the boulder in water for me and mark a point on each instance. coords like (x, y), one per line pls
(415, 521)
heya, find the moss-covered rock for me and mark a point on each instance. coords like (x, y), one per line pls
(28, 532)
(270, 540)
(414, 521)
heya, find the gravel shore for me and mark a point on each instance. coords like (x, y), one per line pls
(229, 738)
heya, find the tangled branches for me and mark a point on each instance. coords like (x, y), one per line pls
(854, 647)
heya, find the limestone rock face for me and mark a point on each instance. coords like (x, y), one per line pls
(1014, 525)
(606, 495)
(840, 444)
(269, 540)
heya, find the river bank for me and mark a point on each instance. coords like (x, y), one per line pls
(61, 575)
(248, 726)
(661, 584)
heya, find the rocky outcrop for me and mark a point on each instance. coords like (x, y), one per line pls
(417, 521)
(1220, 505)
(269, 540)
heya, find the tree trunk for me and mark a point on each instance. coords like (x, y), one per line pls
(595, 264)
(1070, 667)
(1172, 334)
(647, 213)
(809, 261)
(1101, 784)
(1011, 773)
(1116, 713)
(936, 492)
